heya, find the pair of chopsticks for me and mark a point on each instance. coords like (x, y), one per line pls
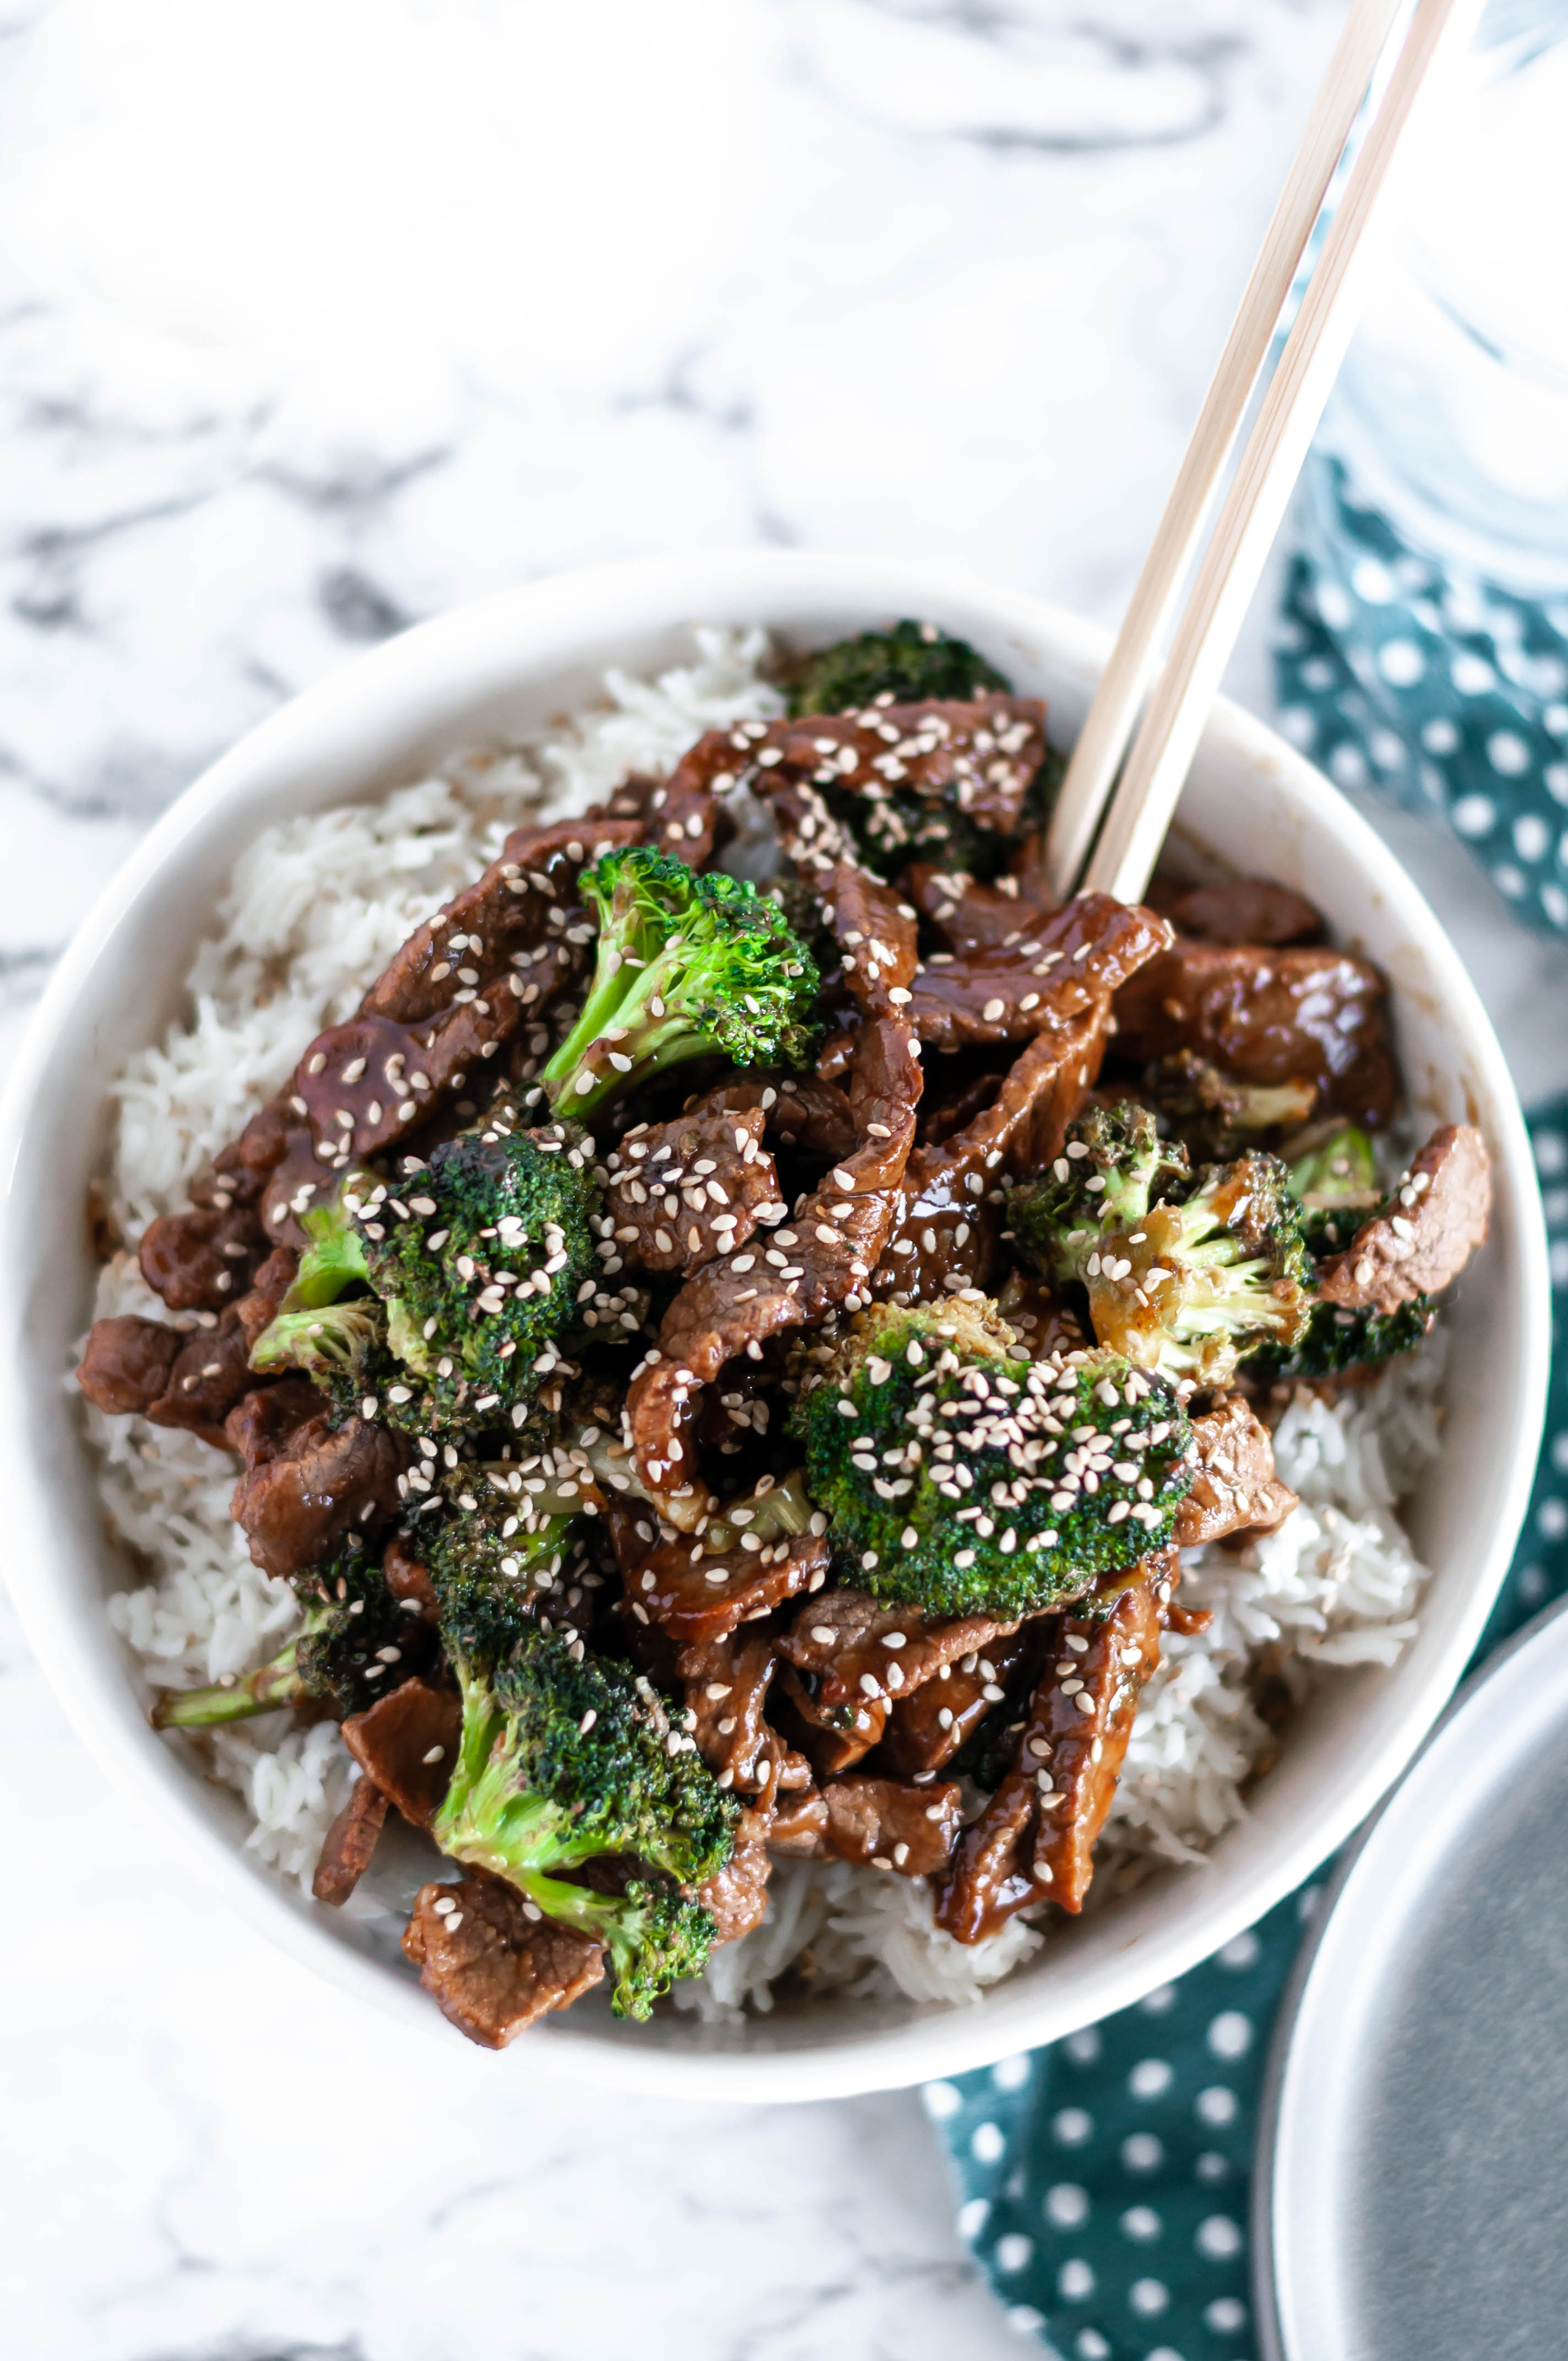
(1132, 823)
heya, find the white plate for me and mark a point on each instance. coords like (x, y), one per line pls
(509, 664)
(1412, 2186)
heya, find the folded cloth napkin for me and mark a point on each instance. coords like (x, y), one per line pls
(1103, 2180)
(1440, 690)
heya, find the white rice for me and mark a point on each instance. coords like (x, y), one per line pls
(314, 909)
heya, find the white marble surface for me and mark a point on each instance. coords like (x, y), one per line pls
(321, 315)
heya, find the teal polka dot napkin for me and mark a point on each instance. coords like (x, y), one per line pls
(1103, 2181)
(1441, 691)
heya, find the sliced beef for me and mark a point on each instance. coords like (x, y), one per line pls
(1034, 1839)
(946, 1235)
(349, 1843)
(176, 1377)
(406, 1744)
(859, 1648)
(1239, 910)
(727, 1681)
(261, 1422)
(1039, 1322)
(1267, 1016)
(926, 1730)
(980, 758)
(126, 1363)
(831, 1737)
(325, 1482)
(681, 1192)
(696, 1598)
(834, 1239)
(967, 917)
(1437, 1217)
(800, 1110)
(492, 1962)
(258, 1308)
(1066, 965)
(1235, 1489)
(876, 1823)
(204, 1259)
(738, 1894)
(504, 948)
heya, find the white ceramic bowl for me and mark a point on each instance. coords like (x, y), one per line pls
(508, 665)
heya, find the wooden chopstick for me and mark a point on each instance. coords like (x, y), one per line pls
(1102, 741)
(1252, 509)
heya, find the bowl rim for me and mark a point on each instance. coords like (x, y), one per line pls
(648, 594)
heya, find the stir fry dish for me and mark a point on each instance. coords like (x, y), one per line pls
(729, 1368)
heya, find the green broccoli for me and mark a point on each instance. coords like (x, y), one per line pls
(1336, 1166)
(1185, 1275)
(1335, 1176)
(475, 1266)
(689, 965)
(962, 1479)
(1213, 1113)
(565, 1760)
(907, 665)
(349, 1648)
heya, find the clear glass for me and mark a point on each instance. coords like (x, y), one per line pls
(1450, 416)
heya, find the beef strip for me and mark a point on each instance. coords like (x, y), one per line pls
(1034, 1839)
(681, 1192)
(1234, 910)
(875, 1823)
(830, 1737)
(980, 757)
(438, 1011)
(696, 1598)
(491, 1968)
(837, 1235)
(325, 1482)
(967, 917)
(348, 1844)
(738, 1894)
(1267, 1016)
(1437, 1216)
(682, 814)
(200, 1259)
(405, 1744)
(1065, 965)
(858, 1647)
(260, 1424)
(1235, 1489)
(175, 1378)
(126, 1363)
(727, 1681)
(801, 1110)
(926, 1730)
(946, 1235)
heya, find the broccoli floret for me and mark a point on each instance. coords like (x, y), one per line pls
(489, 1562)
(1185, 1275)
(336, 1657)
(1335, 1340)
(907, 666)
(565, 1760)
(474, 1276)
(1215, 1115)
(962, 1479)
(689, 965)
(1335, 1176)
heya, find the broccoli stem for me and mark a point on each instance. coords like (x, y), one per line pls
(274, 1684)
(336, 1257)
(646, 1008)
(782, 1507)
